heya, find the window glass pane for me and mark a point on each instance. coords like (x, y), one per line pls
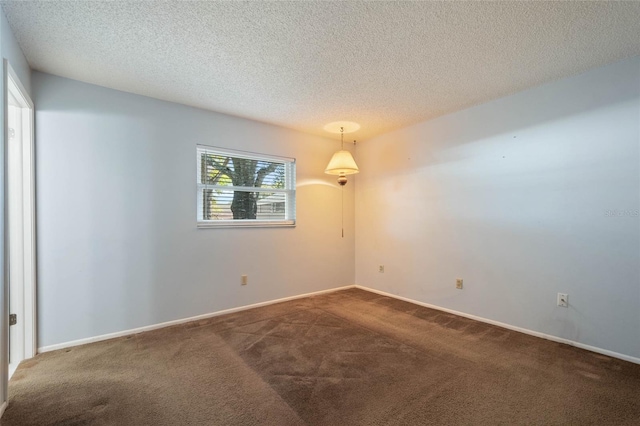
(233, 171)
(225, 204)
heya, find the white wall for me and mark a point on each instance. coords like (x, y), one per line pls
(512, 196)
(118, 243)
(13, 54)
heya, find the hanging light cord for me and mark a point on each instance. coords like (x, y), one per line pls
(342, 192)
(342, 186)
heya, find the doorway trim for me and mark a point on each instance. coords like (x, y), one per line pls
(13, 85)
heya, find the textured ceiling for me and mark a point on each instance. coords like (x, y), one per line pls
(301, 65)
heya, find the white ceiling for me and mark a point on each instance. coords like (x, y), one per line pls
(301, 65)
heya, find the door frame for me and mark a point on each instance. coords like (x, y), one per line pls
(12, 83)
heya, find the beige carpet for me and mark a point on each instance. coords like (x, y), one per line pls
(345, 358)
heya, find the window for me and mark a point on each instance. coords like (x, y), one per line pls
(238, 188)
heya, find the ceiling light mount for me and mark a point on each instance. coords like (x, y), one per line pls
(342, 127)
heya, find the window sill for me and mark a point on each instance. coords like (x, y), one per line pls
(250, 223)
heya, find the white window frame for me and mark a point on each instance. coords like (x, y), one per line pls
(289, 190)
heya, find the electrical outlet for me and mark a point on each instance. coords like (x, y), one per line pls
(381, 269)
(244, 279)
(459, 283)
(563, 300)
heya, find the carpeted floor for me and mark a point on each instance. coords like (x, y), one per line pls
(346, 358)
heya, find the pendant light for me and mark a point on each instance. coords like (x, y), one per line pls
(342, 162)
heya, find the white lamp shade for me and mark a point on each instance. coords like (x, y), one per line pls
(342, 163)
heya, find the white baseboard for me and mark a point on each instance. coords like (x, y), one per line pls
(510, 327)
(180, 321)
(285, 299)
(2, 408)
